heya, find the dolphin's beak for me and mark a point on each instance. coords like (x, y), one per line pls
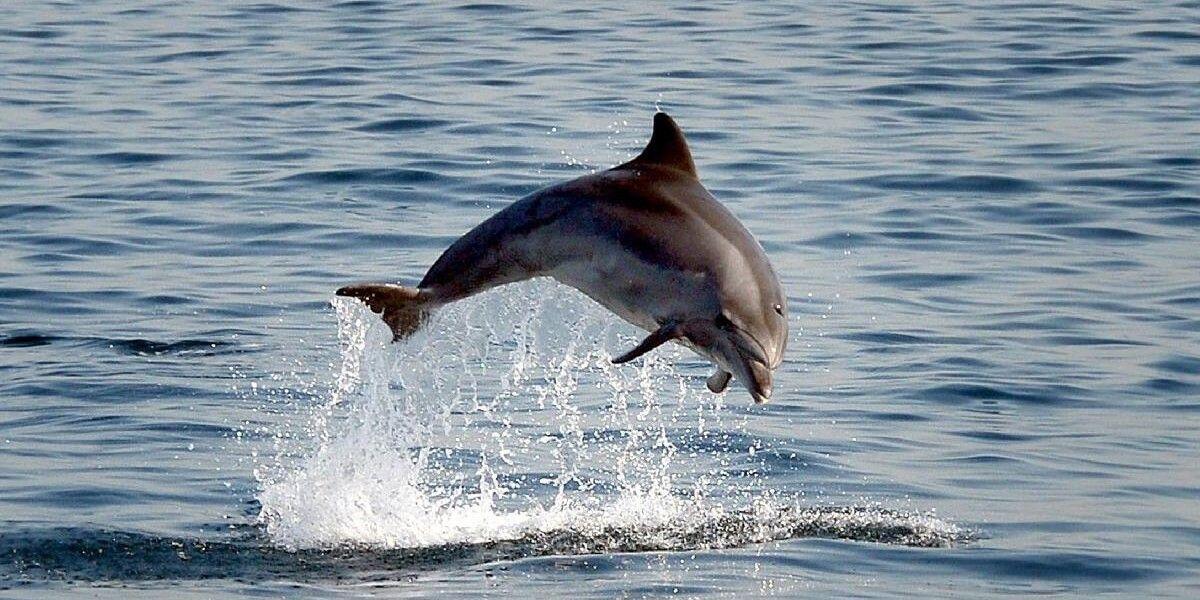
(758, 381)
(736, 352)
(754, 372)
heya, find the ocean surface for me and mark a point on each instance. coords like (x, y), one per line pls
(986, 218)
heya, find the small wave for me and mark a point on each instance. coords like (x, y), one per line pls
(1097, 91)
(886, 338)
(991, 184)
(141, 347)
(1102, 234)
(944, 113)
(364, 176)
(492, 8)
(29, 340)
(913, 89)
(1127, 184)
(401, 125)
(1170, 385)
(131, 346)
(979, 393)
(93, 555)
(133, 158)
(1179, 364)
(922, 281)
(1170, 35)
(190, 55)
(32, 34)
(8, 211)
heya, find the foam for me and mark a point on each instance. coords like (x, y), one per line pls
(503, 420)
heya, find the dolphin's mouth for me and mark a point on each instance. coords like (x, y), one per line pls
(735, 351)
(754, 371)
(758, 381)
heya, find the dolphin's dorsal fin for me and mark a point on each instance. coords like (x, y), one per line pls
(667, 147)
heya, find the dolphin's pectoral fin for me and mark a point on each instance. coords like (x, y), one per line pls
(719, 381)
(661, 336)
(404, 309)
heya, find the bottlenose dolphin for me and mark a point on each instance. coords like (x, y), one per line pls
(646, 241)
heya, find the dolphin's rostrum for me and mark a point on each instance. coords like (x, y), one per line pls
(646, 241)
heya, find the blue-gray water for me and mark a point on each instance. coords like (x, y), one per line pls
(987, 220)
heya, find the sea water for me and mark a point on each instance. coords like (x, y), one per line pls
(985, 217)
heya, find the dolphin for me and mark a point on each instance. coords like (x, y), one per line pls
(645, 240)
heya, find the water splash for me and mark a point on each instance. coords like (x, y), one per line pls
(504, 421)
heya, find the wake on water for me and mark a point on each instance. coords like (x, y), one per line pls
(502, 423)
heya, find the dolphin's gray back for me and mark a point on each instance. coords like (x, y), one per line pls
(638, 239)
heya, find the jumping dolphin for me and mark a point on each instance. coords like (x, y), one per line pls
(646, 241)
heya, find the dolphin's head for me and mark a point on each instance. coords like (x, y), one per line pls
(683, 228)
(748, 341)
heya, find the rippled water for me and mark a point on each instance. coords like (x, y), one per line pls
(987, 219)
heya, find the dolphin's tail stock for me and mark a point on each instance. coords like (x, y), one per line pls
(404, 309)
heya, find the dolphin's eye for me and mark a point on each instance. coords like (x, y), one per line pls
(723, 322)
(779, 309)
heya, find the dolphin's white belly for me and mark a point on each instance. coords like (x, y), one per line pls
(641, 292)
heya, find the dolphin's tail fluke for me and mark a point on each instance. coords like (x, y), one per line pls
(404, 309)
